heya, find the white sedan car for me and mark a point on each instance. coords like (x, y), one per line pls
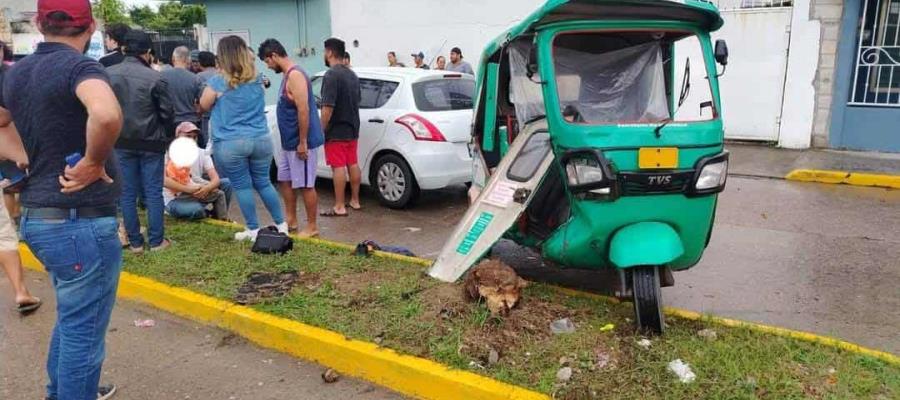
(414, 131)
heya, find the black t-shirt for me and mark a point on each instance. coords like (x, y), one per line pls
(340, 90)
(39, 91)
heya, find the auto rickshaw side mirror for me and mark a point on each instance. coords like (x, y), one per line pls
(721, 52)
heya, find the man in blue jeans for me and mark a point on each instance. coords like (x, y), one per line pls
(146, 133)
(62, 104)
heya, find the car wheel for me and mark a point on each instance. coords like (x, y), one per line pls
(394, 182)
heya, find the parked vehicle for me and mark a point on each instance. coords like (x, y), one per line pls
(599, 142)
(414, 131)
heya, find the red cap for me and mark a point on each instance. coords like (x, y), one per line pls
(78, 10)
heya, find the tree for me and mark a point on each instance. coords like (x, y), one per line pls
(142, 16)
(110, 11)
(170, 15)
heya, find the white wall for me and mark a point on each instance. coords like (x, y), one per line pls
(797, 114)
(408, 26)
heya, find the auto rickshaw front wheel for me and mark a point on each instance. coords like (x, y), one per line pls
(647, 297)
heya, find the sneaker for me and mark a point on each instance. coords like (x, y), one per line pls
(162, 246)
(106, 392)
(247, 234)
(283, 227)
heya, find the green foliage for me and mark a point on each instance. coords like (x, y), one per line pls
(169, 15)
(110, 11)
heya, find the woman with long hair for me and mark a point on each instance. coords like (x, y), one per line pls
(240, 136)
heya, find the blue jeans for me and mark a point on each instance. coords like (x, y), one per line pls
(188, 207)
(83, 258)
(142, 175)
(246, 163)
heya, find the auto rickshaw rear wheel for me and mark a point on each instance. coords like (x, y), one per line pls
(647, 296)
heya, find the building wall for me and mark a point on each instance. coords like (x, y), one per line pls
(434, 27)
(828, 13)
(300, 25)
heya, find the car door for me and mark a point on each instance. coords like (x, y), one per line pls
(322, 169)
(373, 116)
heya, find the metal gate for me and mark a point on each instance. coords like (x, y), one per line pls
(758, 34)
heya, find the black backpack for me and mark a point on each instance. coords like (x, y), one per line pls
(270, 241)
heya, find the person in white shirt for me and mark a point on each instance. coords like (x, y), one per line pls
(197, 191)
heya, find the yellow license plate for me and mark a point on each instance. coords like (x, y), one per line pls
(658, 158)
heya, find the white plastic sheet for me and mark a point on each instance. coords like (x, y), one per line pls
(525, 94)
(621, 86)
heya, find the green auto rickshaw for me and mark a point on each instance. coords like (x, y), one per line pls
(598, 141)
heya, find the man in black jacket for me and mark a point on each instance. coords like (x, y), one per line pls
(146, 132)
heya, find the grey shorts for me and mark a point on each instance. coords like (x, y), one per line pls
(301, 174)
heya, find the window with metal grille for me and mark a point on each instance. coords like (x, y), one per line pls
(750, 4)
(876, 80)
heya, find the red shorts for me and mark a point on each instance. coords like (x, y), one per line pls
(340, 153)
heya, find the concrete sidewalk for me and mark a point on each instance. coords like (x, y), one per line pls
(176, 359)
(761, 160)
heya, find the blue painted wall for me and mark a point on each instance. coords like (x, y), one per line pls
(855, 127)
(297, 24)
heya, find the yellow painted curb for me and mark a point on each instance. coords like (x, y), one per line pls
(844, 177)
(412, 376)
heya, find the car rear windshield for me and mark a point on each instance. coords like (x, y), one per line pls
(444, 94)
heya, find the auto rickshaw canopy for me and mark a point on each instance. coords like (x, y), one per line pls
(700, 12)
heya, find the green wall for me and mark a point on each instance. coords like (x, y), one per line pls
(296, 24)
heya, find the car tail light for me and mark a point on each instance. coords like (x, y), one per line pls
(421, 128)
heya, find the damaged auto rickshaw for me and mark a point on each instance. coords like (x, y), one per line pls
(598, 141)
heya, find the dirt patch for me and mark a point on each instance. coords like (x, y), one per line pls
(361, 282)
(531, 319)
(263, 285)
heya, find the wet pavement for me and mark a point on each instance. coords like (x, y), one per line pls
(176, 359)
(807, 256)
(754, 159)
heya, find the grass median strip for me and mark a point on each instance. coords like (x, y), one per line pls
(395, 305)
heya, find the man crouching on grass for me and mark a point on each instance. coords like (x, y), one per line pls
(188, 194)
(301, 134)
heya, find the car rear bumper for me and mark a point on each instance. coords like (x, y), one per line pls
(439, 164)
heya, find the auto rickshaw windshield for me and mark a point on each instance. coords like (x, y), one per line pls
(627, 78)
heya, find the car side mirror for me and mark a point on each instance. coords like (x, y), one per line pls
(721, 52)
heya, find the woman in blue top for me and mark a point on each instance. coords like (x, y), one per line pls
(241, 143)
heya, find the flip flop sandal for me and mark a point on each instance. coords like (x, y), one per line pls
(293, 230)
(27, 308)
(354, 208)
(332, 213)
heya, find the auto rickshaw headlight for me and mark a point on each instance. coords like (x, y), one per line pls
(588, 174)
(712, 176)
(580, 172)
(712, 172)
